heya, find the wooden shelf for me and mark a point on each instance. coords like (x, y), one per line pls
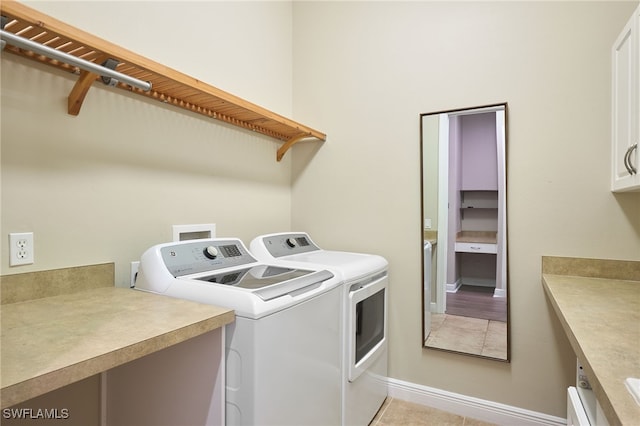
(168, 85)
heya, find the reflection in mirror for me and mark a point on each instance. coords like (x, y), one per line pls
(463, 170)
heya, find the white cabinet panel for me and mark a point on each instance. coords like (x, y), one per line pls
(476, 248)
(625, 104)
(576, 415)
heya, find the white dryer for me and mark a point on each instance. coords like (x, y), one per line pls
(364, 308)
(283, 352)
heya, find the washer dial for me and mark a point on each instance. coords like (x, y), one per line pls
(210, 252)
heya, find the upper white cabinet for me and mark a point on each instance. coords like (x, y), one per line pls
(625, 159)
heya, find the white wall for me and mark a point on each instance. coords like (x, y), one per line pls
(242, 47)
(109, 183)
(366, 70)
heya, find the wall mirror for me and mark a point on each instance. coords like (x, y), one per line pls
(464, 216)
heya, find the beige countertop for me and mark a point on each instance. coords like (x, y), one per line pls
(601, 317)
(485, 237)
(431, 236)
(50, 342)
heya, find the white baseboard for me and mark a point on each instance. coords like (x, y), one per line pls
(478, 282)
(467, 406)
(452, 288)
(500, 292)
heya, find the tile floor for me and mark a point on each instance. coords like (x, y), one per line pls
(395, 412)
(469, 335)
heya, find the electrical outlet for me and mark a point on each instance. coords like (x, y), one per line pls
(21, 248)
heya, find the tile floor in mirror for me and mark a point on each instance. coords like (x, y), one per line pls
(469, 335)
(395, 412)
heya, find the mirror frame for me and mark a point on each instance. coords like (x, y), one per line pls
(506, 232)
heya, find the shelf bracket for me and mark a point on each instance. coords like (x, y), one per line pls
(288, 144)
(80, 90)
(111, 64)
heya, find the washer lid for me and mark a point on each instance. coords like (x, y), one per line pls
(268, 281)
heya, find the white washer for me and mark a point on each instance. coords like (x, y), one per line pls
(283, 352)
(364, 369)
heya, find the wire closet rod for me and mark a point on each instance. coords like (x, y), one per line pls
(72, 60)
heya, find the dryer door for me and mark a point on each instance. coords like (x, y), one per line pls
(366, 323)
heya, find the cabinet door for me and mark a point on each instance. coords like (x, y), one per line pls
(626, 107)
(576, 416)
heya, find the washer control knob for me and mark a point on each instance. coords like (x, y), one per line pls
(291, 242)
(210, 252)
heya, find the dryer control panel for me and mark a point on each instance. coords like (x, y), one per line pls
(286, 244)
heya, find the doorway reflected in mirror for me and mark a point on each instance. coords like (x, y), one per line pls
(463, 170)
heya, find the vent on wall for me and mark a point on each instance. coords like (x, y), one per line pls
(194, 232)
